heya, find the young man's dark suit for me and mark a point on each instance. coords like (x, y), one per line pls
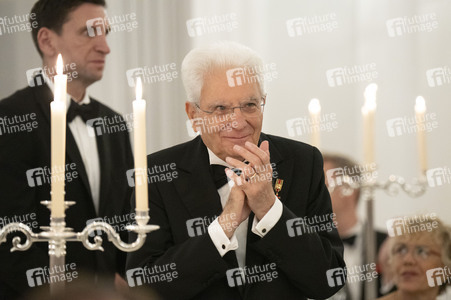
(22, 151)
(302, 261)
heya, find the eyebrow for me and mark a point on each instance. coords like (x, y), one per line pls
(221, 101)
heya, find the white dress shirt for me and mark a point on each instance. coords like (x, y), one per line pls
(87, 146)
(238, 240)
(353, 257)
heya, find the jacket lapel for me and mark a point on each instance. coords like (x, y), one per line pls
(195, 185)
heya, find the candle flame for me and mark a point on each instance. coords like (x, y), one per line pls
(314, 107)
(420, 104)
(370, 97)
(139, 89)
(59, 65)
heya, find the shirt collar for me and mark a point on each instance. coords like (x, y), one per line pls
(215, 160)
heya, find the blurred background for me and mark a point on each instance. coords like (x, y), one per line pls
(329, 50)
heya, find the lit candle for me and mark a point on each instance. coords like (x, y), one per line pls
(139, 130)
(58, 140)
(315, 109)
(368, 111)
(420, 110)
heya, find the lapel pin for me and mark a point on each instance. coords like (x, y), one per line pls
(278, 187)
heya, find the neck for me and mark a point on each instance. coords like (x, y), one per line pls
(76, 89)
(429, 294)
(345, 221)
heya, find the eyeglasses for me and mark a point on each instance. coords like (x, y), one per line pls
(419, 252)
(250, 108)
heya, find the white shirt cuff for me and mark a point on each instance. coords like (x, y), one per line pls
(220, 239)
(269, 220)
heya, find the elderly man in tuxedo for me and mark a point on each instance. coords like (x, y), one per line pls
(96, 161)
(266, 230)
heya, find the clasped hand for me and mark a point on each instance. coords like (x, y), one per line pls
(252, 189)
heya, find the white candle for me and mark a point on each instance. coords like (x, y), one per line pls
(139, 130)
(315, 109)
(58, 140)
(420, 110)
(368, 111)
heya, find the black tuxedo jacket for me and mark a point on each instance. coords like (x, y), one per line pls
(301, 261)
(23, 150)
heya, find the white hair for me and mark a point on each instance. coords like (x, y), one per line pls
(224, 54)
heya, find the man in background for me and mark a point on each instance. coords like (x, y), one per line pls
(96, 161)
(342, 174)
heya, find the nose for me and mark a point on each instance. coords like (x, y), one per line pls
(409, 258)
(102, 44)
(238, 120)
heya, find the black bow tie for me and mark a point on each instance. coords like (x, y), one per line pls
(349, 240)
(85, 111)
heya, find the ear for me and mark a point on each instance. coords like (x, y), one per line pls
(46, 42)
(190, 110)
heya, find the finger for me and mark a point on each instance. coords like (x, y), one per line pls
(265, 147)
(261, 152)
(234, 179)
(245, 169)
(253, 159)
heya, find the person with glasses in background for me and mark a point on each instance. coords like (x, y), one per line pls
(249, 216)
(420, 259)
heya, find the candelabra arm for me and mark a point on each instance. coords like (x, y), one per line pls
(30, 236)
(113, 236)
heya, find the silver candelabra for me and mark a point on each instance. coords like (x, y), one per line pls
(392, 186)
(57, 234)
